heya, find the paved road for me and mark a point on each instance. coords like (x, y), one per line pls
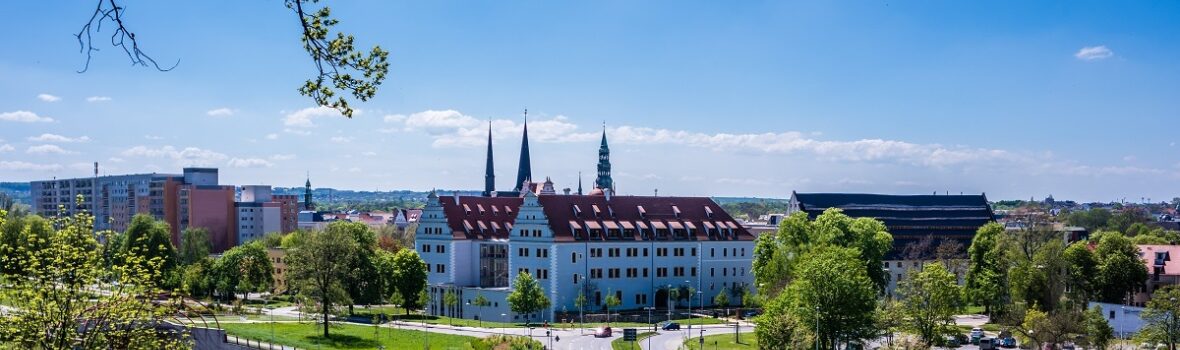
(670, 340)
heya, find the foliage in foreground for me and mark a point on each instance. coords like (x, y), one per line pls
(504, 342)
(66, 296)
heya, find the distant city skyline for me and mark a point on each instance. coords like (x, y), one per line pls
(701, 99)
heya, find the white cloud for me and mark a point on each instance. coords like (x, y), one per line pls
(303, 117)
(24, 117)
(6, 148)
(249, 163)
(220, 112)
(26, 166)
(58, 138)
(297, 132)
(272, 136)
(189, 156)
(47, 149)
(279, 157)
(153, 137)
(450, 128)
(341, 139)
(48, 98)
(1093, 53)
(98, 99)
(369, 154)
(116, 159)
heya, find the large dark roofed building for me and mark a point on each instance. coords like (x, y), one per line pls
(909, 218)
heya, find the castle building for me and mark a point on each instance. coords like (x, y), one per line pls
(635, 248)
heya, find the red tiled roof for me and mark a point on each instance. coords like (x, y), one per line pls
(1170, 267)
(639, 212)
(474, 224)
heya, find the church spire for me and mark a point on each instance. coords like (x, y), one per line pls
(307, 193)
(525, 170)
(579, 183)
(489, 177)
(604, 181)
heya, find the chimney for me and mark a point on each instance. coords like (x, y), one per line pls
(456, 194)
(566, 191)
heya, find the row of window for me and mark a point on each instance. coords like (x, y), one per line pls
(437, 248)
(541, 274)
(530, 233)
(432, 230)
(524, 252)
(726, 272)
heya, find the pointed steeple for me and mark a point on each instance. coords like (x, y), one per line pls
(307, 194)
(604, 181)
(524, 171)
(579, 183)
(489, 177)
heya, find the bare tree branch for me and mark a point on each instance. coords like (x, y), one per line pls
(109, 11)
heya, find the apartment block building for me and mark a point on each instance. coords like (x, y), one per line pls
(633, 247)
(190, 199)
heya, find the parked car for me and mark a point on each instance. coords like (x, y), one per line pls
(1008, 342)
(976, 334)
(1068, 346)
(602, 332)
(670, 326)
(986, 343)
(952, 341)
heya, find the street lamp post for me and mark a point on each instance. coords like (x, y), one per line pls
(653, 326)
(502, 330)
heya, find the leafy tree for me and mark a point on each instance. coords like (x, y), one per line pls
(397, 299)
(1040, 281)
(242, 269)
(779, 328)
(1120, 269)
(1051, 327)
(527, 297)
(363, 282)
(480, 302)
(52, 304)
(424, 298)
(194, 245)
(722, 299)
(1082, 268)
(1122, 220)
(20, 239)
(318, 268)
(272, 240)
(409, 276)
(987, 270)
(198, 278)
(1092, 220)
(1098, 330)
(1162, 316)
(450, 300)
(610, 302)
(150, 239)
(831, 289)
(930, 300)
(797, 236)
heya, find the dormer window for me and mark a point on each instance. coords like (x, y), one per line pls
(708, 212)
(597, 212)
(577, 210)
(480, 207)
(642, 212)
(495, 210)
(466, 209)
(675, 210)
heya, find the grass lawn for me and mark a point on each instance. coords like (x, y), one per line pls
(723, 342)
(973, 310)
(310, 336)
(619, 344)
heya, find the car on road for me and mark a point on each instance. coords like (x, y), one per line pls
(670, 326)
(1008, 342)
(951, 341)
(976, 334)
(986, 343)
(602, 332)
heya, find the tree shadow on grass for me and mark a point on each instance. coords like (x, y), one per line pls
(342, 341)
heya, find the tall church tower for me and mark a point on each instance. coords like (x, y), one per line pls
(489, 177)
(307, 195)
(525, 170)
(604, 181)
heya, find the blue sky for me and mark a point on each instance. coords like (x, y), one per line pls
(1016, 99)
